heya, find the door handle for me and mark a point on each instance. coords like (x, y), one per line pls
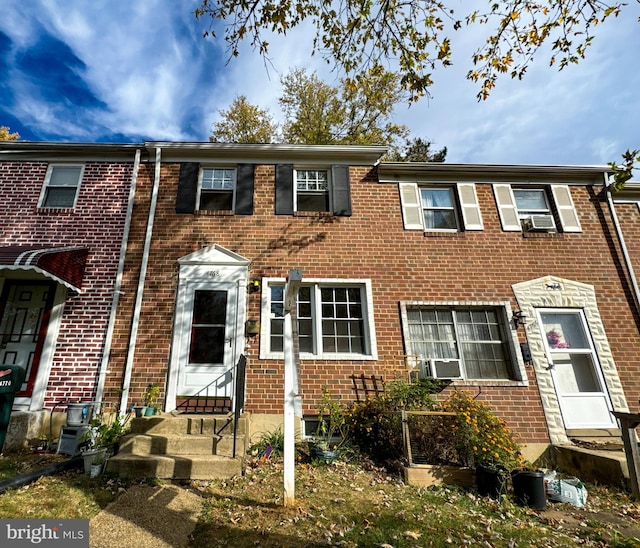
(229, 340)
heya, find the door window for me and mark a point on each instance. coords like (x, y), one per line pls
(208, 325)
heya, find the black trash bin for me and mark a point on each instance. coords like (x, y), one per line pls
(528, 489)
(11, 379)
(491, 482)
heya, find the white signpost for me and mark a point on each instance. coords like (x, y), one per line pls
(290, 386)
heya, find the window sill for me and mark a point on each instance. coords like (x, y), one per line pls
(490, 382)
(54, 210)
(215, 212)
(543, 235)
(443, 234)
(312, 214)
(320, 357)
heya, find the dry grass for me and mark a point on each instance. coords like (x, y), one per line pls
(346, 505)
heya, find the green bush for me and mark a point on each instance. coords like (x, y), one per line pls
(375, 425)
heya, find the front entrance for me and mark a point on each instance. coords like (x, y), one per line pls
(577, 376)
(211, 311)
(25, 308)
(208, 332)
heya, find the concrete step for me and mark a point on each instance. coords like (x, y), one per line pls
(173, 467)
(171, 444)
(212, 425)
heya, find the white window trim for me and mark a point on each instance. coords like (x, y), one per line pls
(235, 184)
(47, 180)
(367, 302)
(327, 170)
(455, 207)
(504, 307)
(413, 208)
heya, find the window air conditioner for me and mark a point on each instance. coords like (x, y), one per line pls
(541, 223)
(445, 368)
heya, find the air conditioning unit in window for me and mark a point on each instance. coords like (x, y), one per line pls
(445, 368)
(539, 223)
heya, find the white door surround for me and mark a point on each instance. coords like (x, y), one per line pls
(552, 292)
(219, 276)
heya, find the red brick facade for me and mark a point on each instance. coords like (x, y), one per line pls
(403, 265)
(97, 222)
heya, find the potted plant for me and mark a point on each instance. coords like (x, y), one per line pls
(151, 399)
(102, 439)
(484, 440)
(331, 432)
(139, 410)
(97, 465)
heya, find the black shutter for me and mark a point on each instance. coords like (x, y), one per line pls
(187, 187)
(341, 190)
(284, 189)
(244, 189)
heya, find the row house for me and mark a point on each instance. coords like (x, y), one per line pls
(65, 210)
(514, 282)
(165, 263)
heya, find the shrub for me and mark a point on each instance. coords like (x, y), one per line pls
(375, 425)
(480, 436)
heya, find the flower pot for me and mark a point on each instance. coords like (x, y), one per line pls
(92, 455)
(139, 410)
(528, 489)
(149, 411)
(96, 470)
(325, 455)
(491, 482)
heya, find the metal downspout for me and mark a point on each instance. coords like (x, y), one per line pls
(133, 335)
(623, 246)
(102, 376)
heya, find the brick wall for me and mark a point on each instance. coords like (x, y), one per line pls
(403, 265)
(97, 222)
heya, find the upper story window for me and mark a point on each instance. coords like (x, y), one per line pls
(301, 189)
(334, 320)
(61, 185)
(312, 190)
(217, 188)
(536, 209)
(459, 343)
(440, 208)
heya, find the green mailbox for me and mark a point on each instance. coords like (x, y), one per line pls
(11, 379)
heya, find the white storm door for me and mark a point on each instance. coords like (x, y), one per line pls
(577, 375)
(208, 333)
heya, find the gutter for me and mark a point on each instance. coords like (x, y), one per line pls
(135, 322)
(29, 477)
(623, 246)
(106, 354)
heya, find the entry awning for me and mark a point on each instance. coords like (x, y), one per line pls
(64, 265)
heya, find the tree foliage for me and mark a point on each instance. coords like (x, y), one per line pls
(417, 150)
(244, 123)
(416, 34)
(357, 112)
(6, 135)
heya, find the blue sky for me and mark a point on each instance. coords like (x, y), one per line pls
(126, 71)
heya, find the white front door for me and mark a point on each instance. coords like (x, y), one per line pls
(577, 375)
(209, 331)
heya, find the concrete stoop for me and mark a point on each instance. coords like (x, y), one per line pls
(181, 447)
(605, 467)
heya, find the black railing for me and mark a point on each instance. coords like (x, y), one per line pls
(208, 400)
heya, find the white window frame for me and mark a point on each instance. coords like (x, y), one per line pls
(454, 207)
(327, 171)
(233, 190)
(371, 352)
(525, 213)
(46, 186)
(466, 205)
(503, 309)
